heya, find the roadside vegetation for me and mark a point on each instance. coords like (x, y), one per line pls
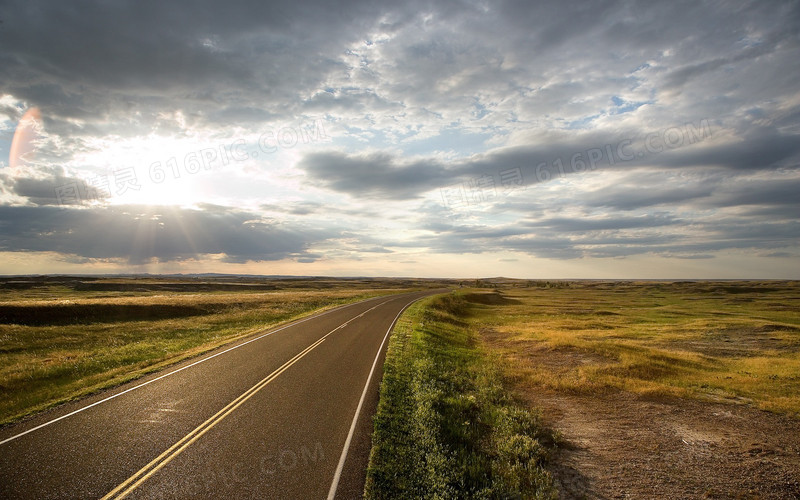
(62, 341)
(446, 427)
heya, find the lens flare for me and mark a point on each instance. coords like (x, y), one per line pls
(23, 143)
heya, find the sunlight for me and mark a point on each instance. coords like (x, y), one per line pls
(186, 192)
(150, 170)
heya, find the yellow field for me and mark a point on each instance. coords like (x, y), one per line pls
(729, 341)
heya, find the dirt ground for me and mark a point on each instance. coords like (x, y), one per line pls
(623, 446)
(619, 445)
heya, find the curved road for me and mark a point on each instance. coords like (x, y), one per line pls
(281, 414)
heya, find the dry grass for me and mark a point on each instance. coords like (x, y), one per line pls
(729, 341)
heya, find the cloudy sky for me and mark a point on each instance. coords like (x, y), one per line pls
(451, 138)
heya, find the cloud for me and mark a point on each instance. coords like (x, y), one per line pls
(758, 149)
(390, 175)
(378, 175)
(763, 192)
(597, 130)
(564, 224)
(573, 238)
(620, 214)
(138, 234)
(244, 62)
(45, 185)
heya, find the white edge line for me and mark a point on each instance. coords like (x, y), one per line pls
(303, 320)
(337, 476)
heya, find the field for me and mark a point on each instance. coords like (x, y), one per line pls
(62, 337)
(735, 342)
(684, 389)
(591, 389)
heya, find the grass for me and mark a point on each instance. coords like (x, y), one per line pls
(445, 426)
(727, 341)
(58, 343)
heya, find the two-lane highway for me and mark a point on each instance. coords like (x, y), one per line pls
(282, 414)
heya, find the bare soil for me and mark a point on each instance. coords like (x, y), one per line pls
(624, 446)
(621, 445)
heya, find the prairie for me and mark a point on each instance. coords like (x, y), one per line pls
(590, 389)
(737, 342)
(667, 390)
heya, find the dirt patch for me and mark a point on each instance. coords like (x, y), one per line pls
(620, 445)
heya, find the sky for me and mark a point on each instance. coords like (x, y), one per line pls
(465, 139)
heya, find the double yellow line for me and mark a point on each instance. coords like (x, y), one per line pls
(176, 449)
(173, 451)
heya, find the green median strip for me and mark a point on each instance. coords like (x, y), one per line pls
(446, 427)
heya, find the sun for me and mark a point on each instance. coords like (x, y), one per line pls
(184, 192)
(150, 170)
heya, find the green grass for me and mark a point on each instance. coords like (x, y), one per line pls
(726, 341)
(58, 344)
(446, 427)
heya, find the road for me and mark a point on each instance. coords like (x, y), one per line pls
(271, 416)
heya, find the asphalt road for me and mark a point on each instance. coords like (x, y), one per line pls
(275, 415)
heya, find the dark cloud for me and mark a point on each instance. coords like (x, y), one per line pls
(386, 175)
(138, 234)
(571, 238)
(758, 150)
(241, 61)
(254, 60)
(630, 197)
(770, 192)
(378, 175)
(49, 186)
(715, 213)
(779, 255)
(570, 225)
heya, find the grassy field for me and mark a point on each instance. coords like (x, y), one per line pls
(723, 341)
(446, 427)
(62, 338)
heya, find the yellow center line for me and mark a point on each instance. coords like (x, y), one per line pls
(133, 482)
